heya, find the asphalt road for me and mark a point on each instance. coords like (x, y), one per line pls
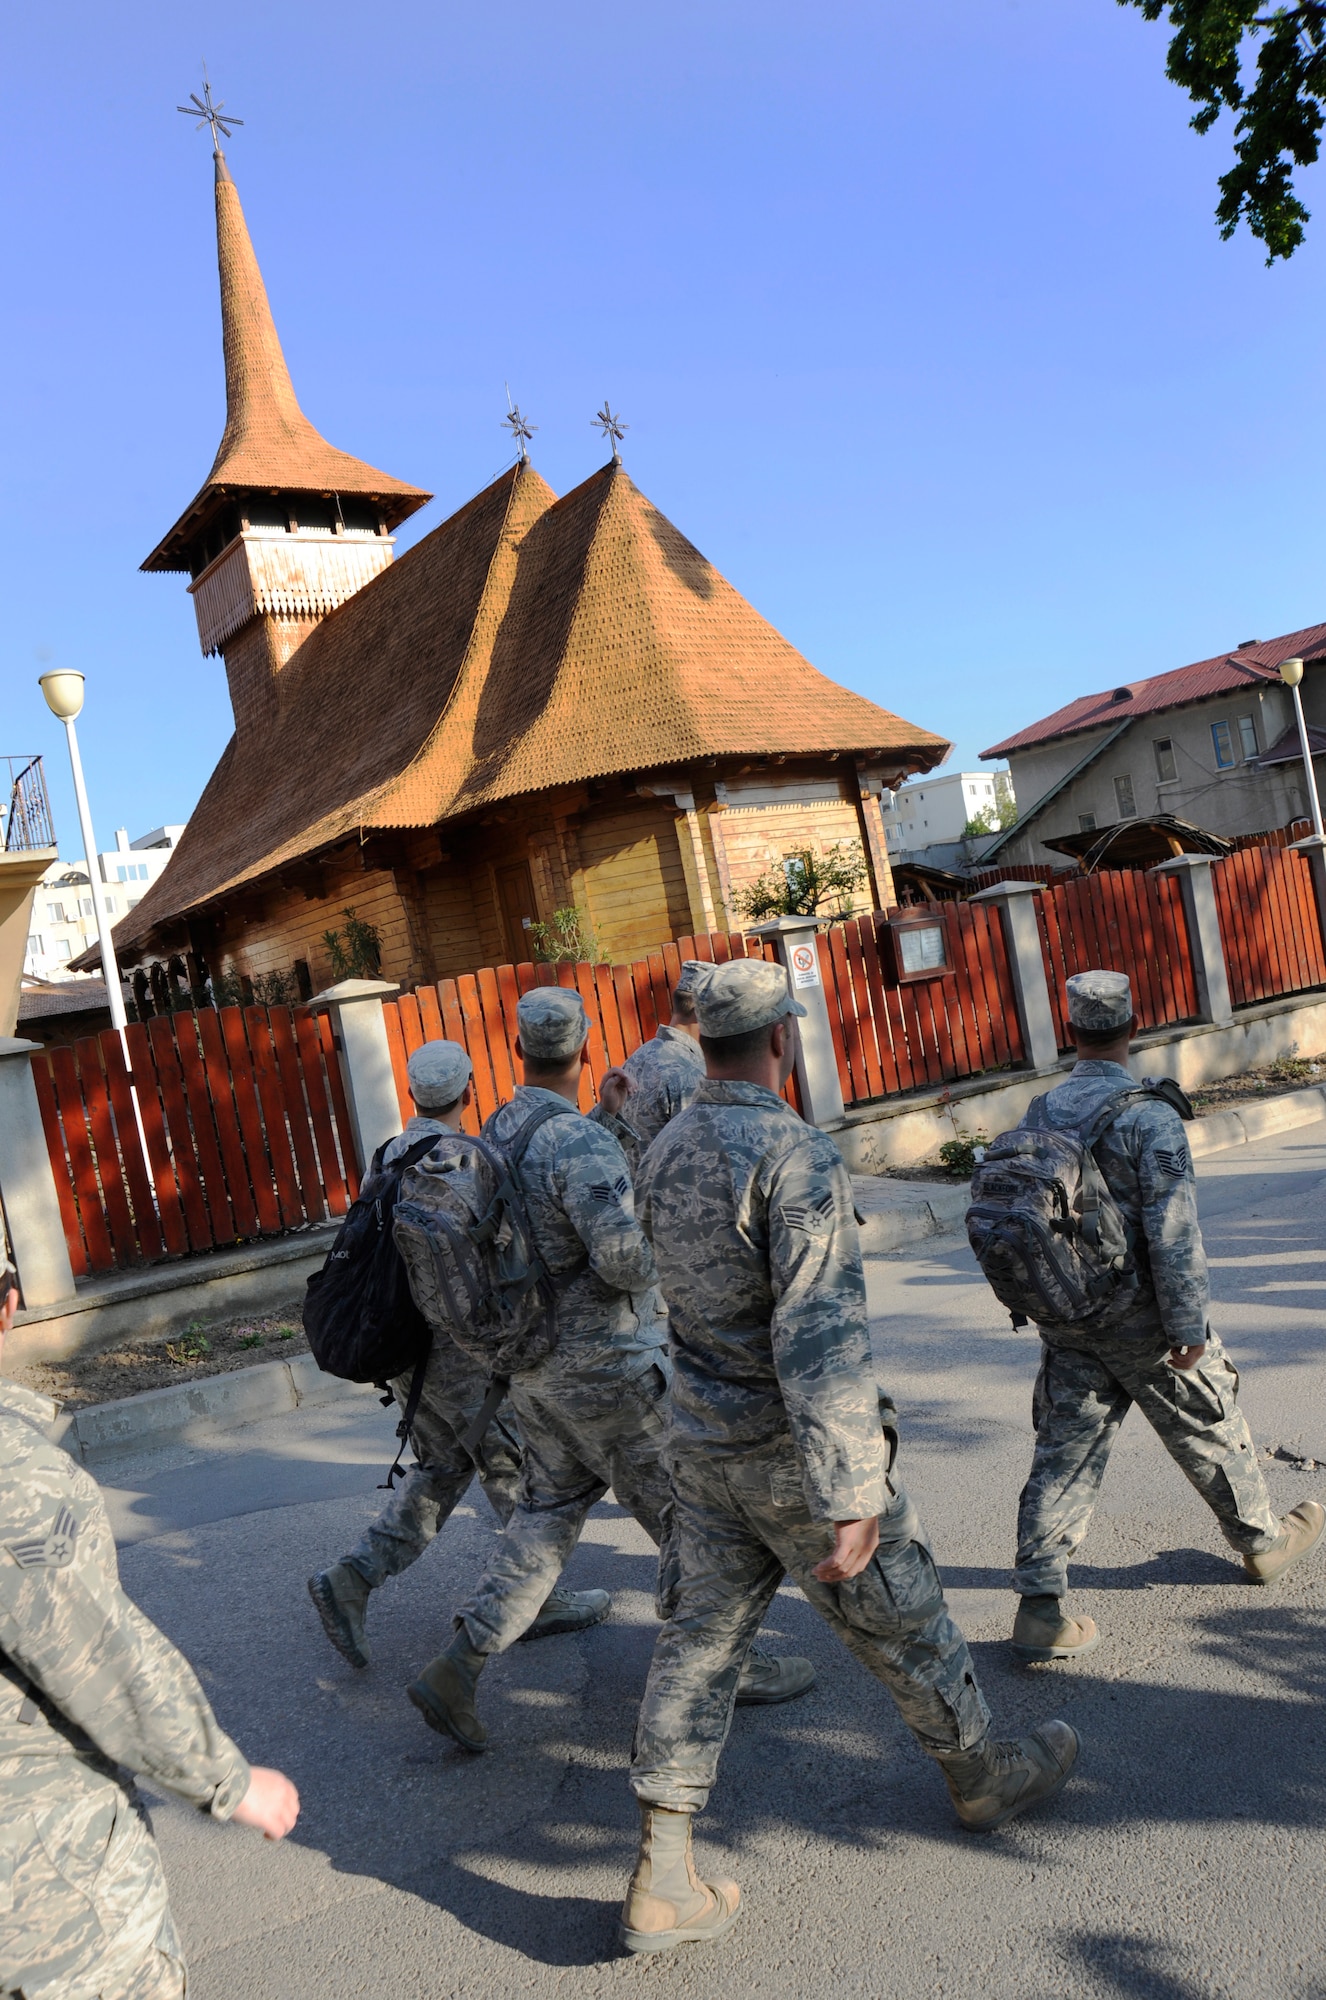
(1185, 1861)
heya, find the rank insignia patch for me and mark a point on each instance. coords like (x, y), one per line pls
(605, 1191)
(52, 1551)
(1175, 1162)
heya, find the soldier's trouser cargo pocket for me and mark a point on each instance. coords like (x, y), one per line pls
(742, 1524)
(83, 1906)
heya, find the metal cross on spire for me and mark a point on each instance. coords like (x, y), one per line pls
(520, 427)
(207, 113)
(613, 429)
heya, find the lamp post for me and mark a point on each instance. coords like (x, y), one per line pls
(63, 690)
(1291, 673)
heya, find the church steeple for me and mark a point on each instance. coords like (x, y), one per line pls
(285, 527)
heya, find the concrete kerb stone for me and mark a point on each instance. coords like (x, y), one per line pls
(194, 1410)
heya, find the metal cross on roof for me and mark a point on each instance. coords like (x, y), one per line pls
(613, 429)
(207, 113)
(520, 427)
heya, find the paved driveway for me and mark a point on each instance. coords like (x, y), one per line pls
(1187, 1860)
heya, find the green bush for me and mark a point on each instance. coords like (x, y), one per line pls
(959, 1155)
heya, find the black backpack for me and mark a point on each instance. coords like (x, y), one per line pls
(361, 1320)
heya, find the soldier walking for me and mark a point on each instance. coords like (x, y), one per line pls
(592, 1413)
(1164, 1356)
(665, 1072)
(91, 1692)
(779, 1461)
(451, 1397)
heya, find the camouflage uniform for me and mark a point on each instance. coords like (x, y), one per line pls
(776, 1434)
(1088, 1379)
(87, 1684)
(666, 1073)
(453, 1391)
(591, 1415)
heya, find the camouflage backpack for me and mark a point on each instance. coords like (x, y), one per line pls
(1048, 1234)
(463, 1231)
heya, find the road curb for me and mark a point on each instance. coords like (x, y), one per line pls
(194, 1410)
(1253, 1121)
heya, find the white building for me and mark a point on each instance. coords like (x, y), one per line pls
(64, 918)
(935, 811)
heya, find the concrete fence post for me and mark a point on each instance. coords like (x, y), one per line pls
(1205, 944)
(27, 1182)
(355, 1006)
(1031, 988)
(817, 1066)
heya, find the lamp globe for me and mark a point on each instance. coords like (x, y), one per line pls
(63, 690)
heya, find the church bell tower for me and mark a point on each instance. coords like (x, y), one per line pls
(285, 527)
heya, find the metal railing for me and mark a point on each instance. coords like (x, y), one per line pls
(28, 816)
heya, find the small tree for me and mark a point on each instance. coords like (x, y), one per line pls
(355, 952)
(805, 883)
(568, 940)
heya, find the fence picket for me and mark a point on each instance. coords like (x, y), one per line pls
(238, 1165)
(309, 1048)
(137, 1169)
(69, 1096)
(267, 1082)
(60, 1163)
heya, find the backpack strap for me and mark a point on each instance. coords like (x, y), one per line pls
(400, 1167)
(513, 1150)
(408, 1415)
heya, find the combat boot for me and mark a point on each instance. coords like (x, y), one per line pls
(444, 1694)
(667, 1904)
(569, 1611)
(1043, 1631)
(340, 1598)
(765, 1678)
(1300, 1531)
(993, 1782)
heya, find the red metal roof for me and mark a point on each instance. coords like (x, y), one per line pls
(1244, 667)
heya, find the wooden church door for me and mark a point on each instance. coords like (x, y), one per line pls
(515, 893)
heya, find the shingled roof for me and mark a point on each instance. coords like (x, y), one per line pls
(526, 643)
(1251, 665)
(268, 443)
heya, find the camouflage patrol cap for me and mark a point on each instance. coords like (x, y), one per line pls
(746, 994)
(1099, 1000)
(439, 1072)
(553, 1023)
(694, 972)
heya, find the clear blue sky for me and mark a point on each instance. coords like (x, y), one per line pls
(918, 316)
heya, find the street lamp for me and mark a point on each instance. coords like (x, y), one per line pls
(63, 690)
(1291, 673)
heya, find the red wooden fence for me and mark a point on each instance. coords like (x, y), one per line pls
(1125, 921)
(244, 1114)
(1268, 923)
(890, 1037)
(625, 1004)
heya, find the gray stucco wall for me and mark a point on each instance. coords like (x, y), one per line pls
(1229, 802)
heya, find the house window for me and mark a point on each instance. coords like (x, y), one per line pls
(35, 945)
(63, 948)
(1123, 798)
(1086, 822)
(1223, 739)
(122, 874)
(110, 906)
(1167, 770)
(55, 912)
(86, 905)
(1247, 729)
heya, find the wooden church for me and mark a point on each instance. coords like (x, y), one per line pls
(545, 703)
